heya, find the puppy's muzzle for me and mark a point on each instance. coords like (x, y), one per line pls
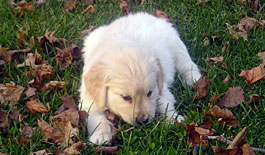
(142, 121)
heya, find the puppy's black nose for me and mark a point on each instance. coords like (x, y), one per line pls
(141, 121)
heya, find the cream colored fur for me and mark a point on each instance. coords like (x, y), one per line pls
(132, 56)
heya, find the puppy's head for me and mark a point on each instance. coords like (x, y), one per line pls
(128, 82)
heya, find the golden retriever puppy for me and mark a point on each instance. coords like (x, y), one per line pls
(128, 67)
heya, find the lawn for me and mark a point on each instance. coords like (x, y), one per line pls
(202, 27)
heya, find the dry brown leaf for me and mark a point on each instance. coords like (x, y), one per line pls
(201, 86)
(233, 97)
(219, 59)
(193, 136)
(89, 10)
(63, 58)
(255, 98)
(234, 34)
(85, 32)
(253, 75)
(75, 51)
(242, 2)
(10, 93)
(46, 130)
(247, 150)
(10, 55)
(70, 5)
(201, 2)
(50, 40)
(33, 60)
(225, 115)
(227, 78)
(215, 97)
(3, 51)
(106, 149)
(74, 148)
(28, 131)
(35, 106)
(41, 152)
(41, 72)
(68, 115)
(69, 103)
(31, 92)
(14, 115)
(206, 41)
(22, 7)
(54, 85)
(246, 23)
(262, 57)
(125, 7)
(3, 120)
(205, 132)
(221, 151)
(163, 15)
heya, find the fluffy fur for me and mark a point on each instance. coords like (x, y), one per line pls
(128, 67)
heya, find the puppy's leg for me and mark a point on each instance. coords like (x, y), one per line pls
(100, 129)
(186, 68)
(166, 106)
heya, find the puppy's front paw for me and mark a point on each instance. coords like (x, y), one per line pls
(103, 135)
(172, 117)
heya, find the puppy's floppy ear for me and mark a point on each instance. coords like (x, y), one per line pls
(160, 76)
(95, 83)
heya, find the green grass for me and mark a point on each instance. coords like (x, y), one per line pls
(192, 21)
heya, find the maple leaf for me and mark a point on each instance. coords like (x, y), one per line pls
(35, 106)
(233, 97)
(253, 75)
(225, 115)
(201, 86)
(10, 93)
(125, 7)
(163, 15)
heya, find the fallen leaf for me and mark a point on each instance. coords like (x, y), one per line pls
(125, 7)
(215, 97)
(70, 5)
(22, 7)
(201, 2)
(201, 86)
(206, 41)
(227, 78)
(42, 72)
(253, 75)
(234, 34)
(82, 120)
(247, 150)
(219, 59)
(221, 151)
(75, 51)
(3, 120)
(54, 85)
(3, 51)
(89, 10)
(225, 115)
(262, 57)
(28, 131)
(63, 58)
(85, 32)
(10, 55)
(226, 46)
(163, 15)
(193, 135)
(255, 98)
(246, 23)
(10, 93)
(205, 132)
(242, 2)
(74, 148)
(106, 149)
(41, 152)
(207, 123)
(31, 92)
(50, 40)
(35, 106)
(46, 130)
(14, 114)
(68, 115)
(233, 97)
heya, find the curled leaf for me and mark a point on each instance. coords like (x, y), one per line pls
(253, 75)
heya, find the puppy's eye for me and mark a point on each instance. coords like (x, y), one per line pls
(149, 93)
(127, 98)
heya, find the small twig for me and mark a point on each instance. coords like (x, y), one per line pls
(128, 129)
(238, 137)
